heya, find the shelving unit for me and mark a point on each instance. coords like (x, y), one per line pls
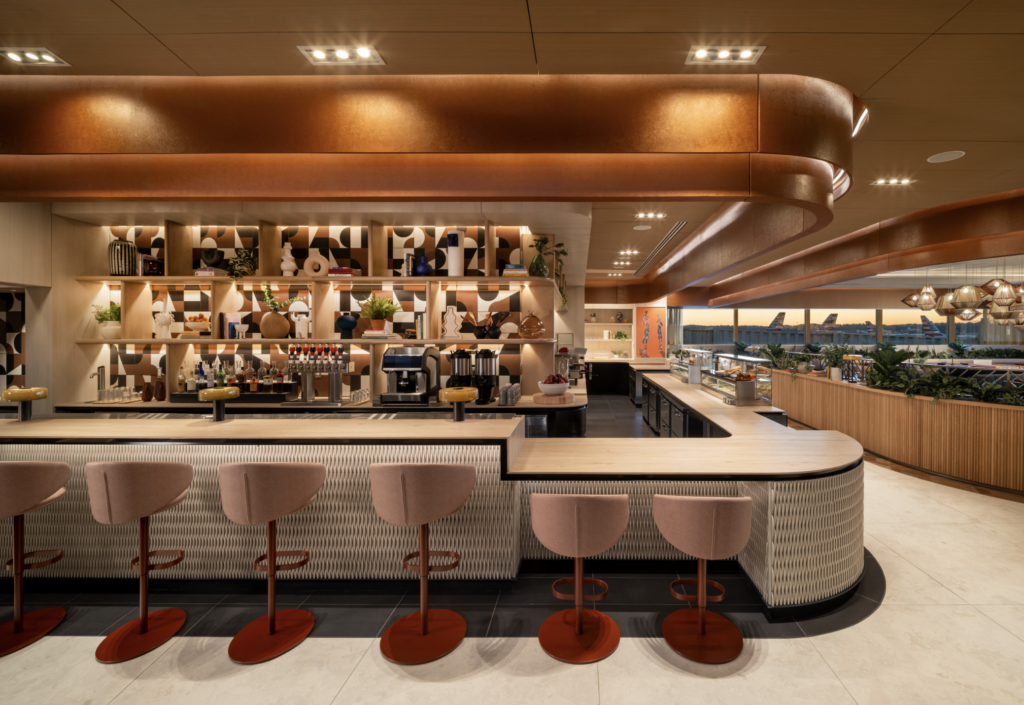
(595, 341)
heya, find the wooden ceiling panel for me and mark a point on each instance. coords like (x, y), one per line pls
(909, 16)
(241, 16)
(98, 54)
(987, 16)
(54, 17)
(404, 53)
(826, 56)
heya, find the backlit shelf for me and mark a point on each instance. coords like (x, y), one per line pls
(313, 341)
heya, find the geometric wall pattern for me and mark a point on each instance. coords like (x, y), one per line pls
(12, 334)
(213, 245)
(432, 243)
(341, 246)
(131, 366)
(148, 239)
(183, 300)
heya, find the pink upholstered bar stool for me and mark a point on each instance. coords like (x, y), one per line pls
(123, 492)
(708, 528)
(262, 493)
(416, 494)
(579, 525)
(26, 487)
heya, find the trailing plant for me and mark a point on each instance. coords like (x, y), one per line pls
(245, 263)
(105, 315)
(775, 353)
(273, 303)
(377, 309)
(621, 335)
(939, 384)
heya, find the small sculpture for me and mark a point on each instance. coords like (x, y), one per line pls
(163, 321)
(452, 323)
(315, 264)
(298, 311)
(288, 265)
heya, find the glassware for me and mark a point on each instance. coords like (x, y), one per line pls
(531, 327)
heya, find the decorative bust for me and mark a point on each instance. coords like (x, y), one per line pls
(288, 265)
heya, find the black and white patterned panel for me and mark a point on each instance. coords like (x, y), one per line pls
(12, 324)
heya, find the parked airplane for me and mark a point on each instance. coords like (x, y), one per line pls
(776, 325)
(870, 330)
(930, 331)
(829, 326)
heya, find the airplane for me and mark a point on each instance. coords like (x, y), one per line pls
(930, 331)
(776, 325)
(870, 330)
(829, 326)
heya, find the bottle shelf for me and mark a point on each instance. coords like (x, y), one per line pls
(313, 341)
(412, 281)
(607, 324)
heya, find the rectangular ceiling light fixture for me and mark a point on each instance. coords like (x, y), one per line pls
(724, 54)
(342, 56)
(32, 56)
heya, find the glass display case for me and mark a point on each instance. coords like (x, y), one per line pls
(689, 366)
(739, 379)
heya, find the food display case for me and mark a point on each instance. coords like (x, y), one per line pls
(691, 364)
(739, 379)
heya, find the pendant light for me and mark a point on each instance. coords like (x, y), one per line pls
(968, 297)
(911, 301)
(926, 300)
(1004, 294)
(967, 315)
(944, 304)
(1001, 313)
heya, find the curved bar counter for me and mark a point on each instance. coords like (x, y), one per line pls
(806, 546)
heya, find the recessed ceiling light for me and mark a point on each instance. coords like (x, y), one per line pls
(905, 181)
(13, 57)
(893, 182)
(946, 156)
(641, 227)
(341, 56)
(47, 57)
(725, 55)
(32, 56)
(661, 215)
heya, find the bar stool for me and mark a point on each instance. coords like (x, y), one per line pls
(25, 397)
(579, 525)
(262, 493)
(708, 528)
(416, 494)
(123, 492)
(26, 487)
(219, 396)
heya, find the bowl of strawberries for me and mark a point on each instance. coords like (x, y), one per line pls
(553, 385)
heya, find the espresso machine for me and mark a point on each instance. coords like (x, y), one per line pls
(461, 369)
(412, 374)
(486, 377)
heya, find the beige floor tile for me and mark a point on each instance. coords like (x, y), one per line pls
(975, 561)
(904, 583)
(198, 670)
(64, 669)
(506, 671)
(1010, 617)
(891, 502)
(932, 655)
(768, 671)
(991, 510)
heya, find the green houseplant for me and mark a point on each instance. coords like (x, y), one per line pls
(559, 253)
(539, 265)
(378, 310)
(245, 263)
(740, 346)
(109, 320)
(833, 356)
(621, 335)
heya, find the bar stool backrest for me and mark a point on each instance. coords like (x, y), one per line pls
(23, 485)
(712, 528)
(412, 494)
(579, 525)
(258, 493)
(123, 492)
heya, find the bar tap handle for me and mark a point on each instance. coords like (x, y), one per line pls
(101, 378)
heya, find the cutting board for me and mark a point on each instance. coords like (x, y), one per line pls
(541, 398)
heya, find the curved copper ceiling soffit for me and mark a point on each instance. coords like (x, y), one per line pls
(990, 226)
(779, 145)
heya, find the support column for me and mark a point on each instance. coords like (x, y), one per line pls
(950, 329)
(878, 326)
(735, 325)
(807, 326)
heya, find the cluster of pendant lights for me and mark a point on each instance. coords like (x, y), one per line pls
(1004, 301)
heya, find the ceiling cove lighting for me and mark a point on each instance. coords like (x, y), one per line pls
(861, 121)
(342, 56)
(724, 54)
(32, 56)
(893, 182)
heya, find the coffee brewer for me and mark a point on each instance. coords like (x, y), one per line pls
(486, 378)
(461, 369)
(412, 374)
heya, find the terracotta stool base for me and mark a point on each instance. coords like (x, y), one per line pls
(559, 639)
(255, 643)
(127, 643)
(402, 642)
(721, 642)
(34, 625)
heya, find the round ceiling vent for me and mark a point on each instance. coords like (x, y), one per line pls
(945, 156)
(641, 227)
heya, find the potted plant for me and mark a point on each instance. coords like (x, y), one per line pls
(740, 346)
(539, 265)
(621, 335)
(245, 263)
(378, 310)
(273, 324)
(109, 320)
(833, 356)
(559, 252)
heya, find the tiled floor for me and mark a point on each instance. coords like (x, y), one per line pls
(949, 629)
(615, 417)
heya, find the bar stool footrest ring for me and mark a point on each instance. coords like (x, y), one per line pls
(432, 554)
(693, 598)
(596, 597)
(304, 555)
(55, 555)
(179, 556)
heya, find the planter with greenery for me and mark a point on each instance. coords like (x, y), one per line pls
(621, 335)
(833, 356)
(378, 310)
(245, 263)
(109, 320)
(740, 346)
(559, 253)
(273, 324)
(539, 264)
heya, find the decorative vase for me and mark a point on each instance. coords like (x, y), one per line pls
(452, 323)
(538, 267)
(377, 324)
(288, 265)
(345, 324)
(315, 264)
(274, 325)
(531, 327)
(122, 259)
(593, 318)
(163, 321)
(211, 256)
(147, 391)
(455, 262)
(835, 374)
(160, 391)
(423, 269)
(111, 330)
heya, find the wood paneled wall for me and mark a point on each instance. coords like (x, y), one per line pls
(971, 441)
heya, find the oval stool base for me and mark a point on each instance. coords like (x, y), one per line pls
(34, 625)
(126, 643)
(721, 642)
(402, 642)
(599, 639)
(255, 643)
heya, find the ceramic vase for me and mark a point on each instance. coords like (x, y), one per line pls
(345, 324)
(163, 322)
(122, 259)
(315, 265)
(160, 391)
(835, 374)
(452, 323)
(274, 325)
(423, 269)
(147, 391)
(288, 265)
(455, 261)
(111, 330)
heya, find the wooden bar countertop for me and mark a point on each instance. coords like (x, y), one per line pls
(758, 449)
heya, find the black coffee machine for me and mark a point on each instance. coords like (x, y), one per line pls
(486, 378)
(460, 369)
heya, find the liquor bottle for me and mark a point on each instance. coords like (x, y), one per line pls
(254, 381)
(220, 377)
(267, 387)
(181, 378)
(279, 382)
(190, 383)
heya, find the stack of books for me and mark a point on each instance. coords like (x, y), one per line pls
(515, 270)
(408, 266)
(343, 272)
(380, 335)
(205, 272)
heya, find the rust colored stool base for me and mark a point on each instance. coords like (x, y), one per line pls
(255, 643)
(721, 642)
(34, 626)
(402, 642)
(127, 643)
(559, 639)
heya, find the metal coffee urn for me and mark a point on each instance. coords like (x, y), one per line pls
(486, 375)
(461, 369)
